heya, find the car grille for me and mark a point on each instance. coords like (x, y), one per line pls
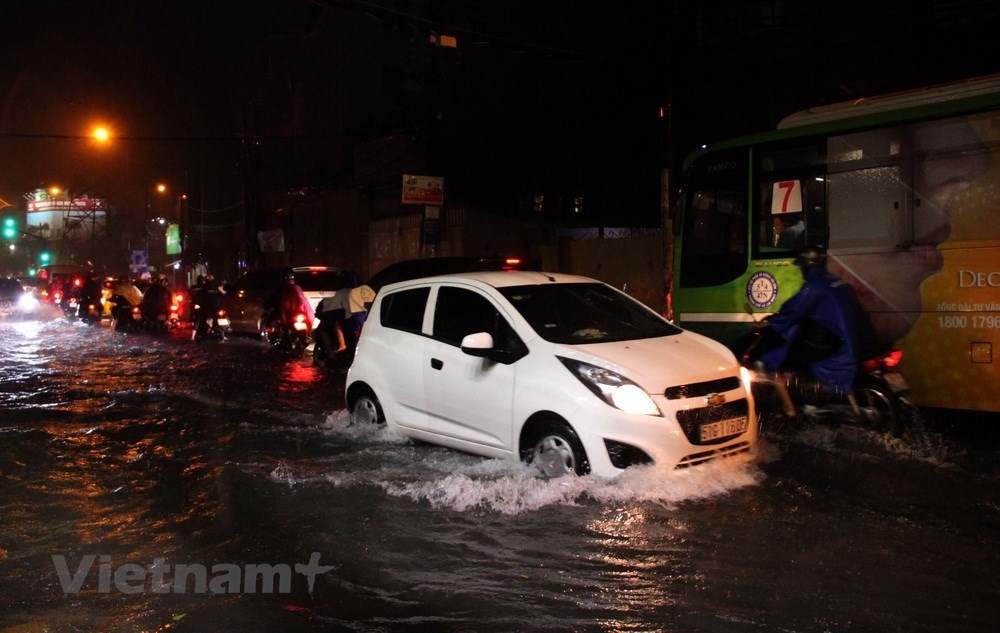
(700, 458)
(702, 388)
(692, 419)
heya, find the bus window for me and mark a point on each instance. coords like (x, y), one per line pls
(866, 194)
(714, 231)
(791, 195)
(715, 237)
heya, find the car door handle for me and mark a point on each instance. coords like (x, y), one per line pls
(437, 364)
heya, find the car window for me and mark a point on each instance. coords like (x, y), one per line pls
(313, 280)
(459, 312)
(585, 313)
(404, 310)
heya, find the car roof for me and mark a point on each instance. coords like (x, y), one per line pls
(498, 279)
(433, 266)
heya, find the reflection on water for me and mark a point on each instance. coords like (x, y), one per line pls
(147, 448)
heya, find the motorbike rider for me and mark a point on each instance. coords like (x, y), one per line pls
(90, 295)
(823, 331)
(125, 288)
(287, 300)
(157, 299)
(208, 298)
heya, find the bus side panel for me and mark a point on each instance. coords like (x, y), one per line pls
(727, 312)
(950, 358)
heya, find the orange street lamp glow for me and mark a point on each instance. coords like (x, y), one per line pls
(161, 188)
(102, 134)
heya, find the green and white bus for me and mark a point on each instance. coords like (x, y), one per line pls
(904, 191)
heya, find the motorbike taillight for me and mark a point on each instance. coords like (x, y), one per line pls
(221, 314)
(888, 360)
(173, 308)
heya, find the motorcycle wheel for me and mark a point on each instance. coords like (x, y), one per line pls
(880, 408)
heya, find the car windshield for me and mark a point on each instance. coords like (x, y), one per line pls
(576, 314)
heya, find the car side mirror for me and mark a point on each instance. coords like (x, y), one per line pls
(479, 344)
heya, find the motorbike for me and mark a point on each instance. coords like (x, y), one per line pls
(125, 317)
(287, 336)
(211, 325)
(90, 312)
(163, 319)
(69, 304)
(877, 401)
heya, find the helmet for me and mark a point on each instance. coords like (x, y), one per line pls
(811, 256)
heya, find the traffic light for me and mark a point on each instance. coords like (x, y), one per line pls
(9, 228)
(43, 258)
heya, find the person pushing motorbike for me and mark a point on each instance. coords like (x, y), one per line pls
(824, 331)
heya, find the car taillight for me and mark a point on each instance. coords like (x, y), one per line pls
(512, 263)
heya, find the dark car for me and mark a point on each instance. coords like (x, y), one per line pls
(434, 266)
(11, 292)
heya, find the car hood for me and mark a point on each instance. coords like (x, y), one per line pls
(657, 363)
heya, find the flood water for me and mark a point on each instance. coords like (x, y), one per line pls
(152, 483)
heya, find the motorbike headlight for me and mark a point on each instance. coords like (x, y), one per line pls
(612, 387)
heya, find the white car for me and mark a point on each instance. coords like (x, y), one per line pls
(560, 371)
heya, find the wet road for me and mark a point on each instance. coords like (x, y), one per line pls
(152, 483)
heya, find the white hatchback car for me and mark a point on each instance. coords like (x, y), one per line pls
(560, 371)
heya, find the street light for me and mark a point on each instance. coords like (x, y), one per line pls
(101, 134)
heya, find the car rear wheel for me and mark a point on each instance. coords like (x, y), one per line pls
(367, 410)
(555, 450)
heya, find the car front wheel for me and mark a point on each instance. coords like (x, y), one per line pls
(556, 451)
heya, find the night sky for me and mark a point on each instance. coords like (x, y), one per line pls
(541, 96)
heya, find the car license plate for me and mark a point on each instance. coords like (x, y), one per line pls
(722, 428)
(223, 322)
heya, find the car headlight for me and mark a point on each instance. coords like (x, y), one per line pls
(27, 302)
(612, 387)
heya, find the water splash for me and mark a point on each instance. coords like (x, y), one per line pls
(457, 481)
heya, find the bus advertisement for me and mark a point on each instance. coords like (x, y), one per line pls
(903, 190)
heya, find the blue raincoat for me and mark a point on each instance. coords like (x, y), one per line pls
(830, 302)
